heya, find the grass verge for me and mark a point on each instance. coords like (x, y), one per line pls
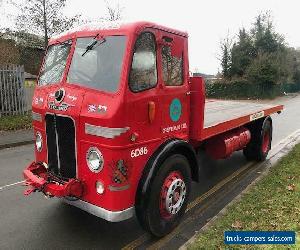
(271, 205)
(15, 122)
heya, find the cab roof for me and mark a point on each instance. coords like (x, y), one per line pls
(111, 26)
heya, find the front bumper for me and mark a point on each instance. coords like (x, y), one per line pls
(38, 179)
(112, 216)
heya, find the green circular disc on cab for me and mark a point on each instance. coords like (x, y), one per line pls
(175, 110)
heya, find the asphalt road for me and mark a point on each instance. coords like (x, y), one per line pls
(36, 223)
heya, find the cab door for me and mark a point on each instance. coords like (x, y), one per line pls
(174, 87)
(142, 95)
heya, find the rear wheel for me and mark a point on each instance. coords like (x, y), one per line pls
(168, 197)
(261, 138)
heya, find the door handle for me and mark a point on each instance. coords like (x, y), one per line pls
(188, 93)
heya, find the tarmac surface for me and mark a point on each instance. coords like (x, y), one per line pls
(37, 223)
(15, 138)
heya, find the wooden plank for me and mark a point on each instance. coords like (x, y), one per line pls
(13, 93)
(1, 93)
(5, 92)
(17, 92)
(22, 86)
(10, 89)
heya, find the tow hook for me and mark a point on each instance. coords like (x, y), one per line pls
(38, 179)
(48, 195)
(29, 191)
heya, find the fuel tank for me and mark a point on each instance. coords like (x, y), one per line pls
(222, 146)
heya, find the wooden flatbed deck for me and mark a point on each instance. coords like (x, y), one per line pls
(221, 116)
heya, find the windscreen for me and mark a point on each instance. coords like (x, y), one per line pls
(97, 62)
(54, 63)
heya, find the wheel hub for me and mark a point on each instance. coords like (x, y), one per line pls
(266, 142)
(172, 195)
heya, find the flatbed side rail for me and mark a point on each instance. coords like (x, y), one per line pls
(238, 122)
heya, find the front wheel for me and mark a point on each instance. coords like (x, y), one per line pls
(168, 197)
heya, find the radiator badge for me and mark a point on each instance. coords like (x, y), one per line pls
(59, 95)
(60, 107)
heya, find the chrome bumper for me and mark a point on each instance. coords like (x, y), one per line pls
(112, 216)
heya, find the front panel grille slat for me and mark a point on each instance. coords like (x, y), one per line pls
(61, 145)
(51, 144)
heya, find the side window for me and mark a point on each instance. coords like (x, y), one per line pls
(143, 74)
(172, 68)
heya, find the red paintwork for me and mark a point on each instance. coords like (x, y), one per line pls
(146, 114)
(222, 146)
(197, 114)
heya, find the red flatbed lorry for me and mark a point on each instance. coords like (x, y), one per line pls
(118, 122)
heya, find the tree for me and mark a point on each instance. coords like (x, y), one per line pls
(265, 39)
(21, 48)
(226, 45)
(23, 38)
(293, 64)
(114, 12)
(264, 70)
(9, 52)
(43, 17)
(270, 53)
(256, 54)
(242, 54)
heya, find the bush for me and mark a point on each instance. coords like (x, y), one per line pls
(15, 122)
(242, 89)
(290, 87)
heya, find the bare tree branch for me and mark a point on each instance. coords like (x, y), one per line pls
(114, 13)
(43, 17)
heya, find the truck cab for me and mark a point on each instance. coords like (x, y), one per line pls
(117, 121)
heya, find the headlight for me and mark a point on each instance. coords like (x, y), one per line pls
(95, 160)
(38, 141)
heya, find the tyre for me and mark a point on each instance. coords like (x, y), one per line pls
(260, 143)
(165, 202)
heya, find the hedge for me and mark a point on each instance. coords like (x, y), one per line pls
(244, 90)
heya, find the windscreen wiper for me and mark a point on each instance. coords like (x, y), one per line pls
(92, 45)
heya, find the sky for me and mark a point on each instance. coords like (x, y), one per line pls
(207, 22)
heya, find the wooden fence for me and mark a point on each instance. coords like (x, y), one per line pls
(12, 94)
